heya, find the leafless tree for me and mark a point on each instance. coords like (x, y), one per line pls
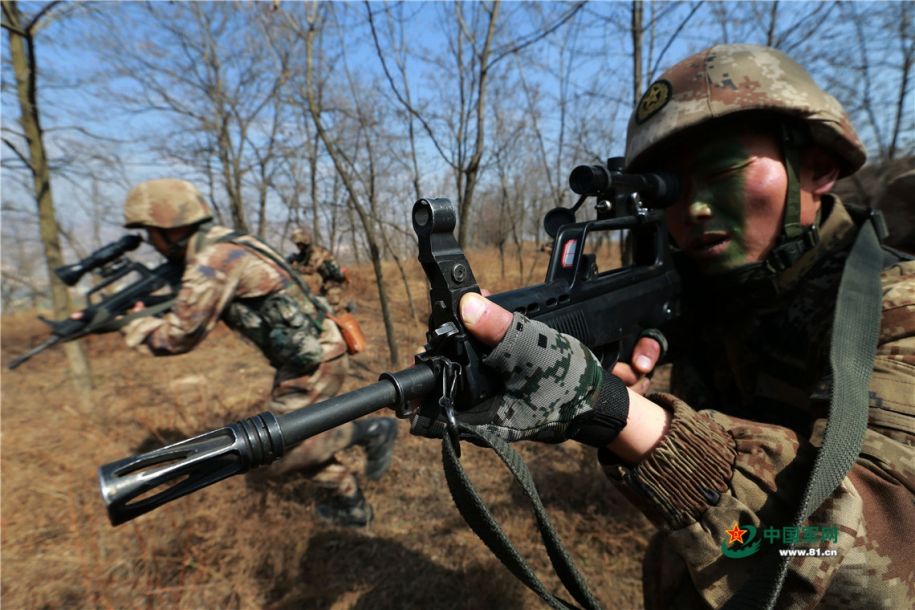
(22, 30)
(207, 72)
(478, 42)
(794, 27)
(342, 148)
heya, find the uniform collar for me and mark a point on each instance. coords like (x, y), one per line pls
(836, 229)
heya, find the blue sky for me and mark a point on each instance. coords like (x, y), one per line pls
(72, 73)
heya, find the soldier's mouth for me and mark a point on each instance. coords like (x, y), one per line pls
(709, 245)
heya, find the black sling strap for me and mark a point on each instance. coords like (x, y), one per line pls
(481, 521)
(855, 331)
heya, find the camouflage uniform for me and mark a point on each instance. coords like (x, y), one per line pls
(230, 282)
(748, 459)
(320, 269)
(751, 388)
(255, 296)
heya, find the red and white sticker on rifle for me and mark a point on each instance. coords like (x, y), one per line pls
(568, 253)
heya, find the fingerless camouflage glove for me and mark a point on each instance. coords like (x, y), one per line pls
(555, 389)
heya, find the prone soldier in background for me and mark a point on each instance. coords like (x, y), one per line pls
(236, 278)
(775, 355)
(320, 269)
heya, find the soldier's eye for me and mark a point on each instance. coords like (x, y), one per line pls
(720, 173)
(723, 174)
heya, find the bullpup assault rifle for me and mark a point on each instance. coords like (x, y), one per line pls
(106, 312)
(606, 310)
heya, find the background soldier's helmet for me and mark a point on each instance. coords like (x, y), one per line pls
(301, 237)
(167, 203)
(727, 79)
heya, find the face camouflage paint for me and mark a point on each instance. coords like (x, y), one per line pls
(731, 213)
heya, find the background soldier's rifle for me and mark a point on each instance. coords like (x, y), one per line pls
(605, 310)
(106, 312)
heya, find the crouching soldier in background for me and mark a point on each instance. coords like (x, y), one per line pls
(319, 268)
(236, 278)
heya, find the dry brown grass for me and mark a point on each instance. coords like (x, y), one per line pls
(236, 546)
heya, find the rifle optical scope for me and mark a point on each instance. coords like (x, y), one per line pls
(70, 274)
(657, 190)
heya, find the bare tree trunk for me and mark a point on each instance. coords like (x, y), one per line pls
(231, 183)
(313, 191)
(354, 237)
(22, 56)
(907, 49)
(637, 29)
(262, 188)
(471, 171)
(637, 32)
(771, 40)
(335, 154)
(403, 273)
(465, 156)
(501, 246)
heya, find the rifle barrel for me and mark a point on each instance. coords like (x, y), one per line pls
(393, 389)
(49, 342)
(136, 485)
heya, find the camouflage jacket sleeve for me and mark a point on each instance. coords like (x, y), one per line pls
(212, 278)
(712, 471)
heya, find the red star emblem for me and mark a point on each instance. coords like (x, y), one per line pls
(736, 534)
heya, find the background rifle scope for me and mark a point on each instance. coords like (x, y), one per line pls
(70, 274)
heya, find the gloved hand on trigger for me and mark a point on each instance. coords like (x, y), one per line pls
(555, 388)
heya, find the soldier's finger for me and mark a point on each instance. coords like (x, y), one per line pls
(625, 373)
(641, 386)
(484, 319)
(645, 355)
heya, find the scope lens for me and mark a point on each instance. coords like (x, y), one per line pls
(589, 179)
(70, 274)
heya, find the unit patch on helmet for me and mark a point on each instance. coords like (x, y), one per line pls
(653, 100)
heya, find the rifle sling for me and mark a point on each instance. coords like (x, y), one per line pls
(481, 521)
(855, 331)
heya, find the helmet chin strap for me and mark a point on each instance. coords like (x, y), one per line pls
(795, 239)
(176, 249)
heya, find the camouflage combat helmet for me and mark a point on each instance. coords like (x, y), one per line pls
(301, 237)
(727, 79)
(167, 203)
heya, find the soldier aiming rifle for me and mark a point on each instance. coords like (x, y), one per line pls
(792, 340)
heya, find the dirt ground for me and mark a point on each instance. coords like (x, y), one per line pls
(234, 545)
